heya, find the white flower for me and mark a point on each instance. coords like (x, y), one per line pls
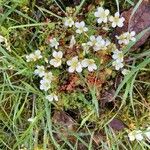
(74, 64)
(135, 135)
(56, 62)
(118, 65)
(37, 55)
(40, 71)
(118, 55)
(54, 43)
(131, 136)
(69, 22)
(48, 76)
(92, 41)
(131, 36)
(117, 20)
(104, 46)
(72, 42)
(90, 63)
(85, 48)
(125, 71)
(31, 119)
(45, 85)
(102, 15)
(34, 56)
(100, 44)
(2, 39)
(139, 135)
(81, 27)
(107, 42)
(122, 39)
(147, 133)
(126, 37)
(52, 97)
(29, 58)
(96, 42)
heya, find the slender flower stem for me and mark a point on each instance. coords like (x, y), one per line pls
(78, 8)
(86, 35)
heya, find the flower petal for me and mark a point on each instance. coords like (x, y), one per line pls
(71, 69)
(79, 68)
(85, 63)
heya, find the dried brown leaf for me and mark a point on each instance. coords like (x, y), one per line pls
(117, 124)
(61, 118)
(107, 97)
(66, 124)
(98, 137)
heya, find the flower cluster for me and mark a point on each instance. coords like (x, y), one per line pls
(45, 83)
(56, 61)
(80, 27)
(34, 56)
(118, 59)
(102, 15)
(98, 43)
(126, 37)
(76, 65)
(139, 135)
(54, 43)
(52, 97)
(68, 22)
(94, 43)
(47, 77)
(116, 20)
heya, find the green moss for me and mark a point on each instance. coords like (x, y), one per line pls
(75, 100)
(90, 18)
(21, 2)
